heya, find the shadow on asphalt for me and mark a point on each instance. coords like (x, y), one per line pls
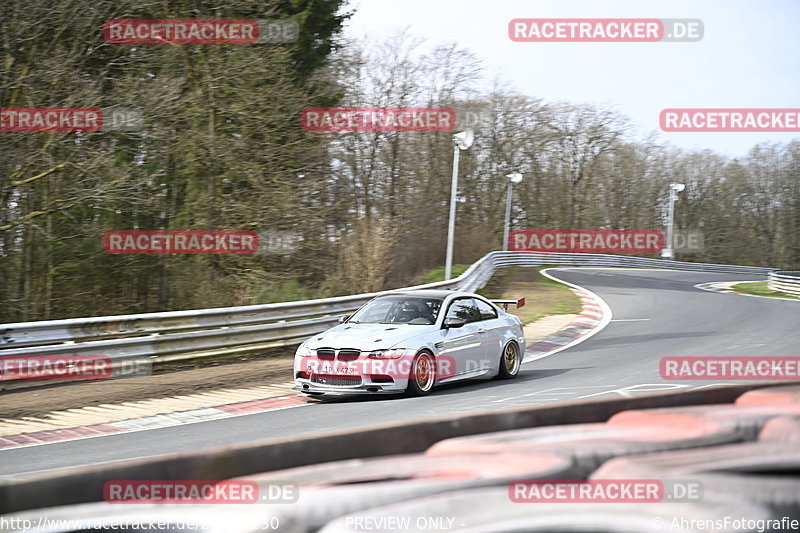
(608, 340)
(462, 387)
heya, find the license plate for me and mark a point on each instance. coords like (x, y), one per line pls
(336, 370)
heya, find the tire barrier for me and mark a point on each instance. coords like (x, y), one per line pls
(776, 492)
(330, 490)
(590, 445)
(759, 414)
(789, 394)
(781, 429)
(749, 474)
(755, 471)
(747, 420)
(354, 484)
(751, 457)
(491, 510)
(85, 484)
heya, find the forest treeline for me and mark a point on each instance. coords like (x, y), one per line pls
(221, 147)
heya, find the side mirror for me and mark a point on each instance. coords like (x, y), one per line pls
(450, 323)
(343, 319)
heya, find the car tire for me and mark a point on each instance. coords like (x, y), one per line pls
(588, 446)
(422, 379)
(510, 361)
(335, 489)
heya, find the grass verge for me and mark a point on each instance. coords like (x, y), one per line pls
(437, 274)
(760, 288)
(543, 296)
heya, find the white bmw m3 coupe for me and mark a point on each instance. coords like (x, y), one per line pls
(410, 342)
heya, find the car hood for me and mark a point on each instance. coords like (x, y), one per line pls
(366, 337)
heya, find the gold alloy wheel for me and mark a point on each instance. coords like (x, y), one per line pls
(423, 372)
(511, 358)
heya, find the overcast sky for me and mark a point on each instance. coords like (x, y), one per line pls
(748, 57)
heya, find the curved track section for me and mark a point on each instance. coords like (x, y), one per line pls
(656, 313)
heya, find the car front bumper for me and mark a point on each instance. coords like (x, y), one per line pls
(360, 376)
(365, 387)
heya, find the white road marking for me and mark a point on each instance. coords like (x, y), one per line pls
(752, 345)
(630, 319)
(526, 359)
(712, 385)
(607, 315)
(550, 391)
(628, 391)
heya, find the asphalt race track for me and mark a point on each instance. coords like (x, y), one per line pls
(655, 314)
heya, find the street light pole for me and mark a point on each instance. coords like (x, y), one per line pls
(451, 226)
(512, 179)
(461, 141)
(674, 189)
(507, 222)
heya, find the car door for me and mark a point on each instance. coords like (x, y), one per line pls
(494, 328)
(465, 344)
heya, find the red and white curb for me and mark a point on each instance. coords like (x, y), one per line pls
(720, 286)
(594, 316)
(727, 287)
(153, 422)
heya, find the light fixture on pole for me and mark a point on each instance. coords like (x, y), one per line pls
(674, 189)
(516, 177)
(461, 141)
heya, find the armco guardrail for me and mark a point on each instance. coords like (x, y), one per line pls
(161, 337)
(787, 281)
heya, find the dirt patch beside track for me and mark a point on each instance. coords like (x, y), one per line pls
(276, 368)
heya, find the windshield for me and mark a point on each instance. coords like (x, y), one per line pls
(398, 310)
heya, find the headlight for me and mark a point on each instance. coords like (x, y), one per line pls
(394, 353)
(304, 351)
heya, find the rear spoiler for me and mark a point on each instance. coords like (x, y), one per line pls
(505, 303)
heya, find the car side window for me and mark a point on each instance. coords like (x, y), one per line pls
(487, 311)
(464, 309)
